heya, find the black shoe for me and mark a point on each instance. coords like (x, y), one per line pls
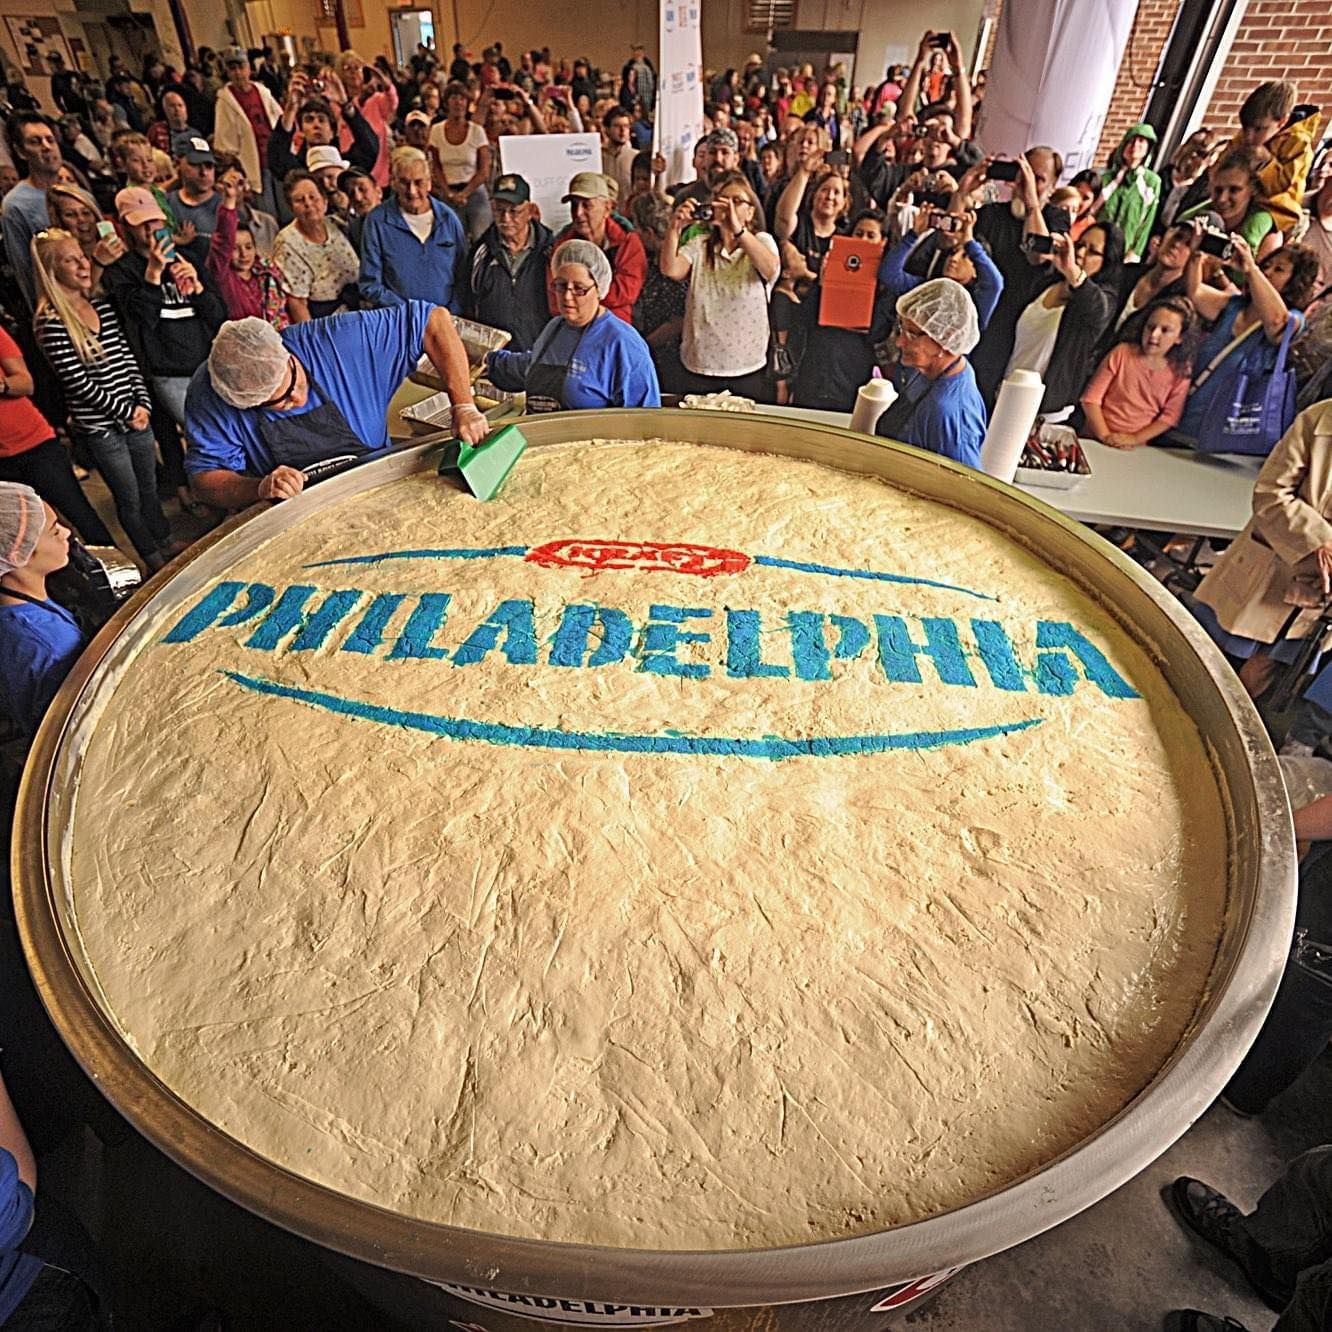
(1213, 1217)
(1194, 1320)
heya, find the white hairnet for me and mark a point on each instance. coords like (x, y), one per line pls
(22, 521)
(249, 363)
(590, 256)
(945, 312)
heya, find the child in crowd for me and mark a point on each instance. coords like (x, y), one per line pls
(249, 284)
(1139, 390)
(136, 161)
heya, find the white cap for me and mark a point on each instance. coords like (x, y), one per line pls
(325, 155)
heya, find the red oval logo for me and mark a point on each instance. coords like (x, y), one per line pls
(670, 556)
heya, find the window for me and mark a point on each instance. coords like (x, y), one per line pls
(765, 15)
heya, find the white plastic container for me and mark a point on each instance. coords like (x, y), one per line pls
(872, 400)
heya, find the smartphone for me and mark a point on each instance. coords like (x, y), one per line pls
(1217, 244)
(504, 94)
(936, 199)
(106, 231)
(940, 40)
(1038, 244)
(1002, 171)
(949, 222)
(163, 237)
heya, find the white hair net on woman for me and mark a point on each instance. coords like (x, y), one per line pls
(249, 363)
(590, 256)
(22, 521)
(943, 310)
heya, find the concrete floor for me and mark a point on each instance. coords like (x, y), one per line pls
(181, 1257)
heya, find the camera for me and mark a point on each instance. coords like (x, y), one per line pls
(935, 199)
(1038, 244)
(853, 263)
(1216, 243)
(1008, 171)
(703, 213)
(504, 94)
(948, 222)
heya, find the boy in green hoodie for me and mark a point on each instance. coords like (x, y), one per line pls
(1131, 190)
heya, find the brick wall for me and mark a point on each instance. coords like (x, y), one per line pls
(1278, 39)
(1133, 86)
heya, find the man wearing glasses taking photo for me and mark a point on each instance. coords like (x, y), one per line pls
(270, 411)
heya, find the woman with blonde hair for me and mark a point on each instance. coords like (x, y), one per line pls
(731, 271)
(76, 211)
(109, 404)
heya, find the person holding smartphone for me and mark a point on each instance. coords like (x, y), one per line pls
(109, 407)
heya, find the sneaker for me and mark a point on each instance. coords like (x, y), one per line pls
(1214, 1218)
(1194, 1320)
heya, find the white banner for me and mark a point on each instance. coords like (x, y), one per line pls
(679, 88)
(1052, 76)
(548, 162)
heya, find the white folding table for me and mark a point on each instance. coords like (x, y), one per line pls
(1170, 490)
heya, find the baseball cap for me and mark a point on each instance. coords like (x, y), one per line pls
(417, 118)
(324, 155)
(192, 148)
(588, 185)
(723, 138)
(512, 190)
(135, 205)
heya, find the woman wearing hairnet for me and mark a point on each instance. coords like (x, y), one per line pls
(585, 357)
(39, 638)
(939, 407)
(270, 411)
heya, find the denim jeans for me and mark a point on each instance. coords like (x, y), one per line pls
(128, 463)
(170, 391)
(46, 469)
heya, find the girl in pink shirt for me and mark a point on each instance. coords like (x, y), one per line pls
(1138, 392)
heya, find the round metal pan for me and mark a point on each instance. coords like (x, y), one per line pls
(1248, 962)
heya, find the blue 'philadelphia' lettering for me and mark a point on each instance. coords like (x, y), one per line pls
(684, 642)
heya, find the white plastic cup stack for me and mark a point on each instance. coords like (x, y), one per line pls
(1010, 424)
(872, 400)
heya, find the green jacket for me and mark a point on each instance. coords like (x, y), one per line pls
(1131, 195)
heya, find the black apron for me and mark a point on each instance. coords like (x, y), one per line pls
(316, 442)
(893, 424)
(545, 379)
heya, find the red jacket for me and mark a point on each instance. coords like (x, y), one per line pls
(628, 261)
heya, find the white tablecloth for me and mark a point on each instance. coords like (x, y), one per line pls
(1172, 490)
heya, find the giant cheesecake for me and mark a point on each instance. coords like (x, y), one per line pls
(688, 849)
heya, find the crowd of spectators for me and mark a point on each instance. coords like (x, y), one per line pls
(154, 208)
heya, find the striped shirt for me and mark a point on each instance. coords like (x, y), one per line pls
(103, 393)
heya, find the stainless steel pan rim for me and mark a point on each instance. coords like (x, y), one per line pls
(1248, 965)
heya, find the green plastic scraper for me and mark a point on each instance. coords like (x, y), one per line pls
(485, 466)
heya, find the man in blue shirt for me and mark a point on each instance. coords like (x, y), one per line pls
(939, 407)
(269, 411)
(412, 245)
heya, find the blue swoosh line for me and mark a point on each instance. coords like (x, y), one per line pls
(769, 561)
(470, 553)
(615, 742)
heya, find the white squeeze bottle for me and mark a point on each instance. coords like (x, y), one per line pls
(872, 400)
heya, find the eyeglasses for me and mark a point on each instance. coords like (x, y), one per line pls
(288, 391)
(904, 331)
(577, 288)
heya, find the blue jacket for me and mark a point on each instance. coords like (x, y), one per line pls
(396, 267)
